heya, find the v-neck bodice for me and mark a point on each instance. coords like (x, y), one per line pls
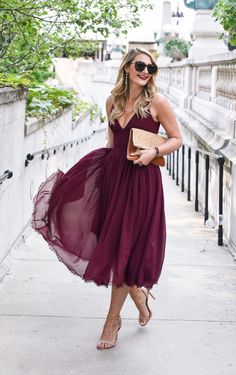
(121, 135)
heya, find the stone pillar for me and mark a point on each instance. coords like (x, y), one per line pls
(166, 18)
(206, 30)
(166, 31)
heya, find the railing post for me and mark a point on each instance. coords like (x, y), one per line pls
(207, 164)
(167, 162)
(189, 174)
(177, 168)
(170, 165)
(182, 182)
(173, 166)
(221, 161)
(196, 182)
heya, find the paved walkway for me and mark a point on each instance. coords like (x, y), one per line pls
(50, 320)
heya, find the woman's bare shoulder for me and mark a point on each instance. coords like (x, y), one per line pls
(159, 105)
(109, 104)
(109, 101)
(159, 99)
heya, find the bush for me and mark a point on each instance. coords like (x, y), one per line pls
(13, 80)
(81, 107)
(177, 48)
(41, 76)
(44, 100)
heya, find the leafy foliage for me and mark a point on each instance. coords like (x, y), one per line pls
(177, 48)
(31, 31)
(225, 12)
(77, 48)
(13, 80)
(44, 100)
(40, 76)
(81, 107)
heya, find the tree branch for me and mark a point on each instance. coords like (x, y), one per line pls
(6, 46)
(17, 24)
(16, 62)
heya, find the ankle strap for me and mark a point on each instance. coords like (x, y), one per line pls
(113, 317)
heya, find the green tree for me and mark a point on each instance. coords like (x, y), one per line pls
(225, 12)
(31, 31)
(78, 48)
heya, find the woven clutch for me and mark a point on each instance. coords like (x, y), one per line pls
(140, 139)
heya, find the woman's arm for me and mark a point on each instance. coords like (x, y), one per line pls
(161, 111)
(109, 103)
(164, 114)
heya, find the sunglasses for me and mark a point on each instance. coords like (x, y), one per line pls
(140, 66)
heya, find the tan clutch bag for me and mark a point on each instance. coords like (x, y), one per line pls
(144, 140)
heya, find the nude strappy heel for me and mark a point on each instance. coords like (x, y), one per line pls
(146, 292)
(111, 343)
(136, 299)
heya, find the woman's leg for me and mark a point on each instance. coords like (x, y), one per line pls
(139, 299)
(112, 324)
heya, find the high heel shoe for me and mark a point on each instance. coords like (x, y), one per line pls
(138, 301)
(110, 343)
(147, 293)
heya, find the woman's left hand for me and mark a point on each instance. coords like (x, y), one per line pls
(145, 156)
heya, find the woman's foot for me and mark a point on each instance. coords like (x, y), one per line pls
(110, 333)
(140, 298)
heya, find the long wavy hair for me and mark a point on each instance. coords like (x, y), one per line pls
(121, 90)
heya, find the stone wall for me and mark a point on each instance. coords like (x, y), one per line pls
(19, 138)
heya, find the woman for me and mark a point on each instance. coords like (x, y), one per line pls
(105, 217)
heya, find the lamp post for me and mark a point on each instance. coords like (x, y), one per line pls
(177, 14)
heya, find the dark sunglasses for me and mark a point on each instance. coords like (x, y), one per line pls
(140, 66)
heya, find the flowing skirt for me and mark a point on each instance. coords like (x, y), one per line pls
(105, 219)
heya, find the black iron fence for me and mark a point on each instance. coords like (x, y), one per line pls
(175, 170)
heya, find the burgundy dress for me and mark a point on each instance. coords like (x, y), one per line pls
(105, 217)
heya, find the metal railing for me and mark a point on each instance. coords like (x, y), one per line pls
(173, 166)
(6, 175)
(45, 153)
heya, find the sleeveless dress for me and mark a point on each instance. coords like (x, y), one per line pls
(105, 217)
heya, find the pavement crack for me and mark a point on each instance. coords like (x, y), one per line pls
(125, 319)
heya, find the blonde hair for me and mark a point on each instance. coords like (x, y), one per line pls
(121, 90)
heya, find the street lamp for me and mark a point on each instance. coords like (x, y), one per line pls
(177, 14)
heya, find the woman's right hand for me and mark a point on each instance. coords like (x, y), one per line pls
(145, 156)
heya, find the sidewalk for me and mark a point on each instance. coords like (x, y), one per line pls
(50, 320)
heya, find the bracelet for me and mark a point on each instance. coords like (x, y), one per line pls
(157, 151)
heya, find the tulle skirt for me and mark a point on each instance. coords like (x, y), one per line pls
(105, 219)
